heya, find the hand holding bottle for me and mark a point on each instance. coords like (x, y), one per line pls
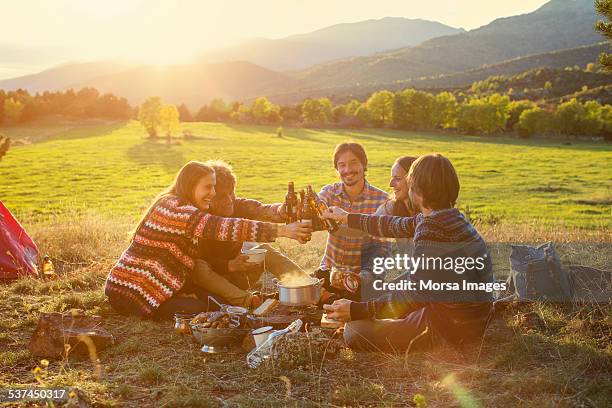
(337, 214)
(301, 231)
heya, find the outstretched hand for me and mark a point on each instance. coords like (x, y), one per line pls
(241, 264)
(336, 213)
(301, 231)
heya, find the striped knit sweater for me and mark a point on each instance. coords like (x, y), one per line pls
(457, 315)
(161, 256)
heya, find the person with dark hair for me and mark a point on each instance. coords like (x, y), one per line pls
(353, 194)
(227, 271)
(423, 316)
(151, 276)
(345, 247)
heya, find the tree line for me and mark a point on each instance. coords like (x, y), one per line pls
(408, 109)
(20, 107)
(411, 109)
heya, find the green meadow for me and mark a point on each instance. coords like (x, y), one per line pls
(115, 169)
(79, 188)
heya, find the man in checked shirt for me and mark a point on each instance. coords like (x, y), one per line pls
(348, 249)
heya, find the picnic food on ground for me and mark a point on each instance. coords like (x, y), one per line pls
(213, 320)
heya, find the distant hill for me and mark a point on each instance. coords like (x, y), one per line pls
(531, 84)
(555, 59)
(192, 84)
(331, 43)
(559, 24)
(65, 76)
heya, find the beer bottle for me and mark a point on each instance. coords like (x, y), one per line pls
(303, 213)
(291, 204)
(330, 225)
(318, 222)
(48, 270)
(303, 209)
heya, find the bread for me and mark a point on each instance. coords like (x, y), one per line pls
(266, 307)
(330, 323)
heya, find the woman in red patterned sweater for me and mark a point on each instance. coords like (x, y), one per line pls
(150, 277)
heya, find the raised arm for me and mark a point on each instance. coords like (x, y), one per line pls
(383, 225)
(256, 210)
(207, 226)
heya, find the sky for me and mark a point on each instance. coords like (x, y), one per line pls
(37, 34)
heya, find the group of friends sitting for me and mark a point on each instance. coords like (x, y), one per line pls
(188, 246)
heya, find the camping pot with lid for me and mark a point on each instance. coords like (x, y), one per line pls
(301, 295)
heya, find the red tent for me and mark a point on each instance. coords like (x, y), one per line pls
(18, 253)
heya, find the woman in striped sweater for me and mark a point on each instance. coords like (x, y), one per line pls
(152, 275)
(433, 304)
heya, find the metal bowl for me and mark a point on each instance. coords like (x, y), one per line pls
(218, 337)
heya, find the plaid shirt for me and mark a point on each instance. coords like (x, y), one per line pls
(344, 246)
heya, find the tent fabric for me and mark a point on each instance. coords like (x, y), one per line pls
(18, 252)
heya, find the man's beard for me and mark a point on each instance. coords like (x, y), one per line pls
(350, 183)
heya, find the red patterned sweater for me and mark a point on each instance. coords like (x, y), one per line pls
(161, 256)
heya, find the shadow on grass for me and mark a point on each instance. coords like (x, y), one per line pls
(156, 152)
(86, 131)
(387, 135)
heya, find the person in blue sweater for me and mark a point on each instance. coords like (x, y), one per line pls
(445, 296)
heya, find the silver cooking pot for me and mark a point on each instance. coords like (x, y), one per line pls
(299, 295)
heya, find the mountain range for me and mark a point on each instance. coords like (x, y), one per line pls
(349, 58)
(331, 43)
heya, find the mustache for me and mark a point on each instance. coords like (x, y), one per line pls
(353, 173)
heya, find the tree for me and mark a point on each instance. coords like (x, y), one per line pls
(2, 99)
(352, 106)
(484, 115)
(604, 8)
(575, 118)
(13, 110)
(534, 121)
(363, 114)
(445, 110)
(149, 115)
(219, 109)
(515, 108)
(605, 113)
(169, 120)
(413, 109)
(338, 113)
(5, 143)
(184, 113)
(291, 113)
(380, 106)
(592, 123)
(316, 111)
(264, 111)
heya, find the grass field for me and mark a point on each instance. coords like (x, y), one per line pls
(113, 168)
(78, 189)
